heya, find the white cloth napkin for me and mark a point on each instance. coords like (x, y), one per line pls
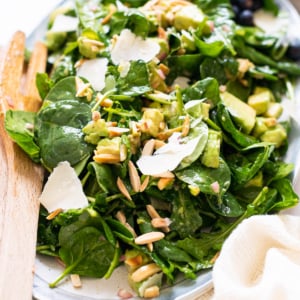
(260, 260)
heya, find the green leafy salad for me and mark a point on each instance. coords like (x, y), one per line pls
(161, 128)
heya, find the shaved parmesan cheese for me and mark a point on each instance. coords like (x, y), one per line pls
(63, 189)
(94, 71)
(64, 23)
(129, 47)
(167, 157)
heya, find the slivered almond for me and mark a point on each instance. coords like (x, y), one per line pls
(149, 237)
(150, 247)
(151, 292)
(116, 131)
(164, 182)
(130, 228)
(121, 186)
(159, 222)
(144, 272)
(75, 279)
(54, 213)
(123, 152)
(96, 115)
(152, 211)
(134, 261)
(134, 177)
(145, 183)
(185, 126)
(121, 217)
(148, 147)
(106, 102)
(106, 158)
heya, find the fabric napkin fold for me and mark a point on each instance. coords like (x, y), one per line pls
(260, 260)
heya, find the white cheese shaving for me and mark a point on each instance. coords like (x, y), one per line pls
(129, 47)
(167, 157)
(63, 189)
(94, 71)
(64, 23)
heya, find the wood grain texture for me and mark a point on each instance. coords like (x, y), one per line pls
(20, 185)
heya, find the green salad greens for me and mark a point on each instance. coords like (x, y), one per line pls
(170, 113)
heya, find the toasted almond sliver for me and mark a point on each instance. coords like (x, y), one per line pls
(54, 213)
(185, 126)
(144, 183)
(123, 189)
(75, 279)
(150, 247)
(148, 147)
(144, 272)
(164, 182)
(107, 158)
(152, 211)
(121, 217)
(151, 292)
(149, 237)
(134, 177)
(160, 222)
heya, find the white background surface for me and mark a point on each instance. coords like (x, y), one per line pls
(22, 15)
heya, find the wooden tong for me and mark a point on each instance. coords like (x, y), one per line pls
(20, 179)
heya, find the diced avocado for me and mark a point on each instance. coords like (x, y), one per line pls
(54, 40)
(109, 146)
(210, 156)
(197, 108)
(259, 128)
(241, 112)
(276, 135)
(88, 47)
(188, 16)
(256, 181)
(260, 101)
(94, 130)
(151, 121)
(187, 41)
(274, 110)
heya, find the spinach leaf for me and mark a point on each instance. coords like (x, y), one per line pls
(104, 176)
(86, 253)
(207, 88)
(58, 129)
(64, 89)
(225, 205)
(198, 135)
(197, 175)
(16, 124)
(185, 218)
(136, 82)
(245, 166)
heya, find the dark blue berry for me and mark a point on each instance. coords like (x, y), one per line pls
(245, 18)
(293, 51)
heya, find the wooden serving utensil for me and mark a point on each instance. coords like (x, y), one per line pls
(21, 179)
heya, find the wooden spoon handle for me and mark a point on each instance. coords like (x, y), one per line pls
(20, 186)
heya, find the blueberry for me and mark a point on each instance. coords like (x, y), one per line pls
(236, 10)
(257, 4)
(293, 50)
(246, 18)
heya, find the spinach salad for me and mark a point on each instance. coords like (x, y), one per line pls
(169, 113)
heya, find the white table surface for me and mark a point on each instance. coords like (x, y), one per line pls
(22, 15)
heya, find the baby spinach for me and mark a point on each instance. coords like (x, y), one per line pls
(20, 127)
(197, 175)
(86, 253)
(58, 129)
